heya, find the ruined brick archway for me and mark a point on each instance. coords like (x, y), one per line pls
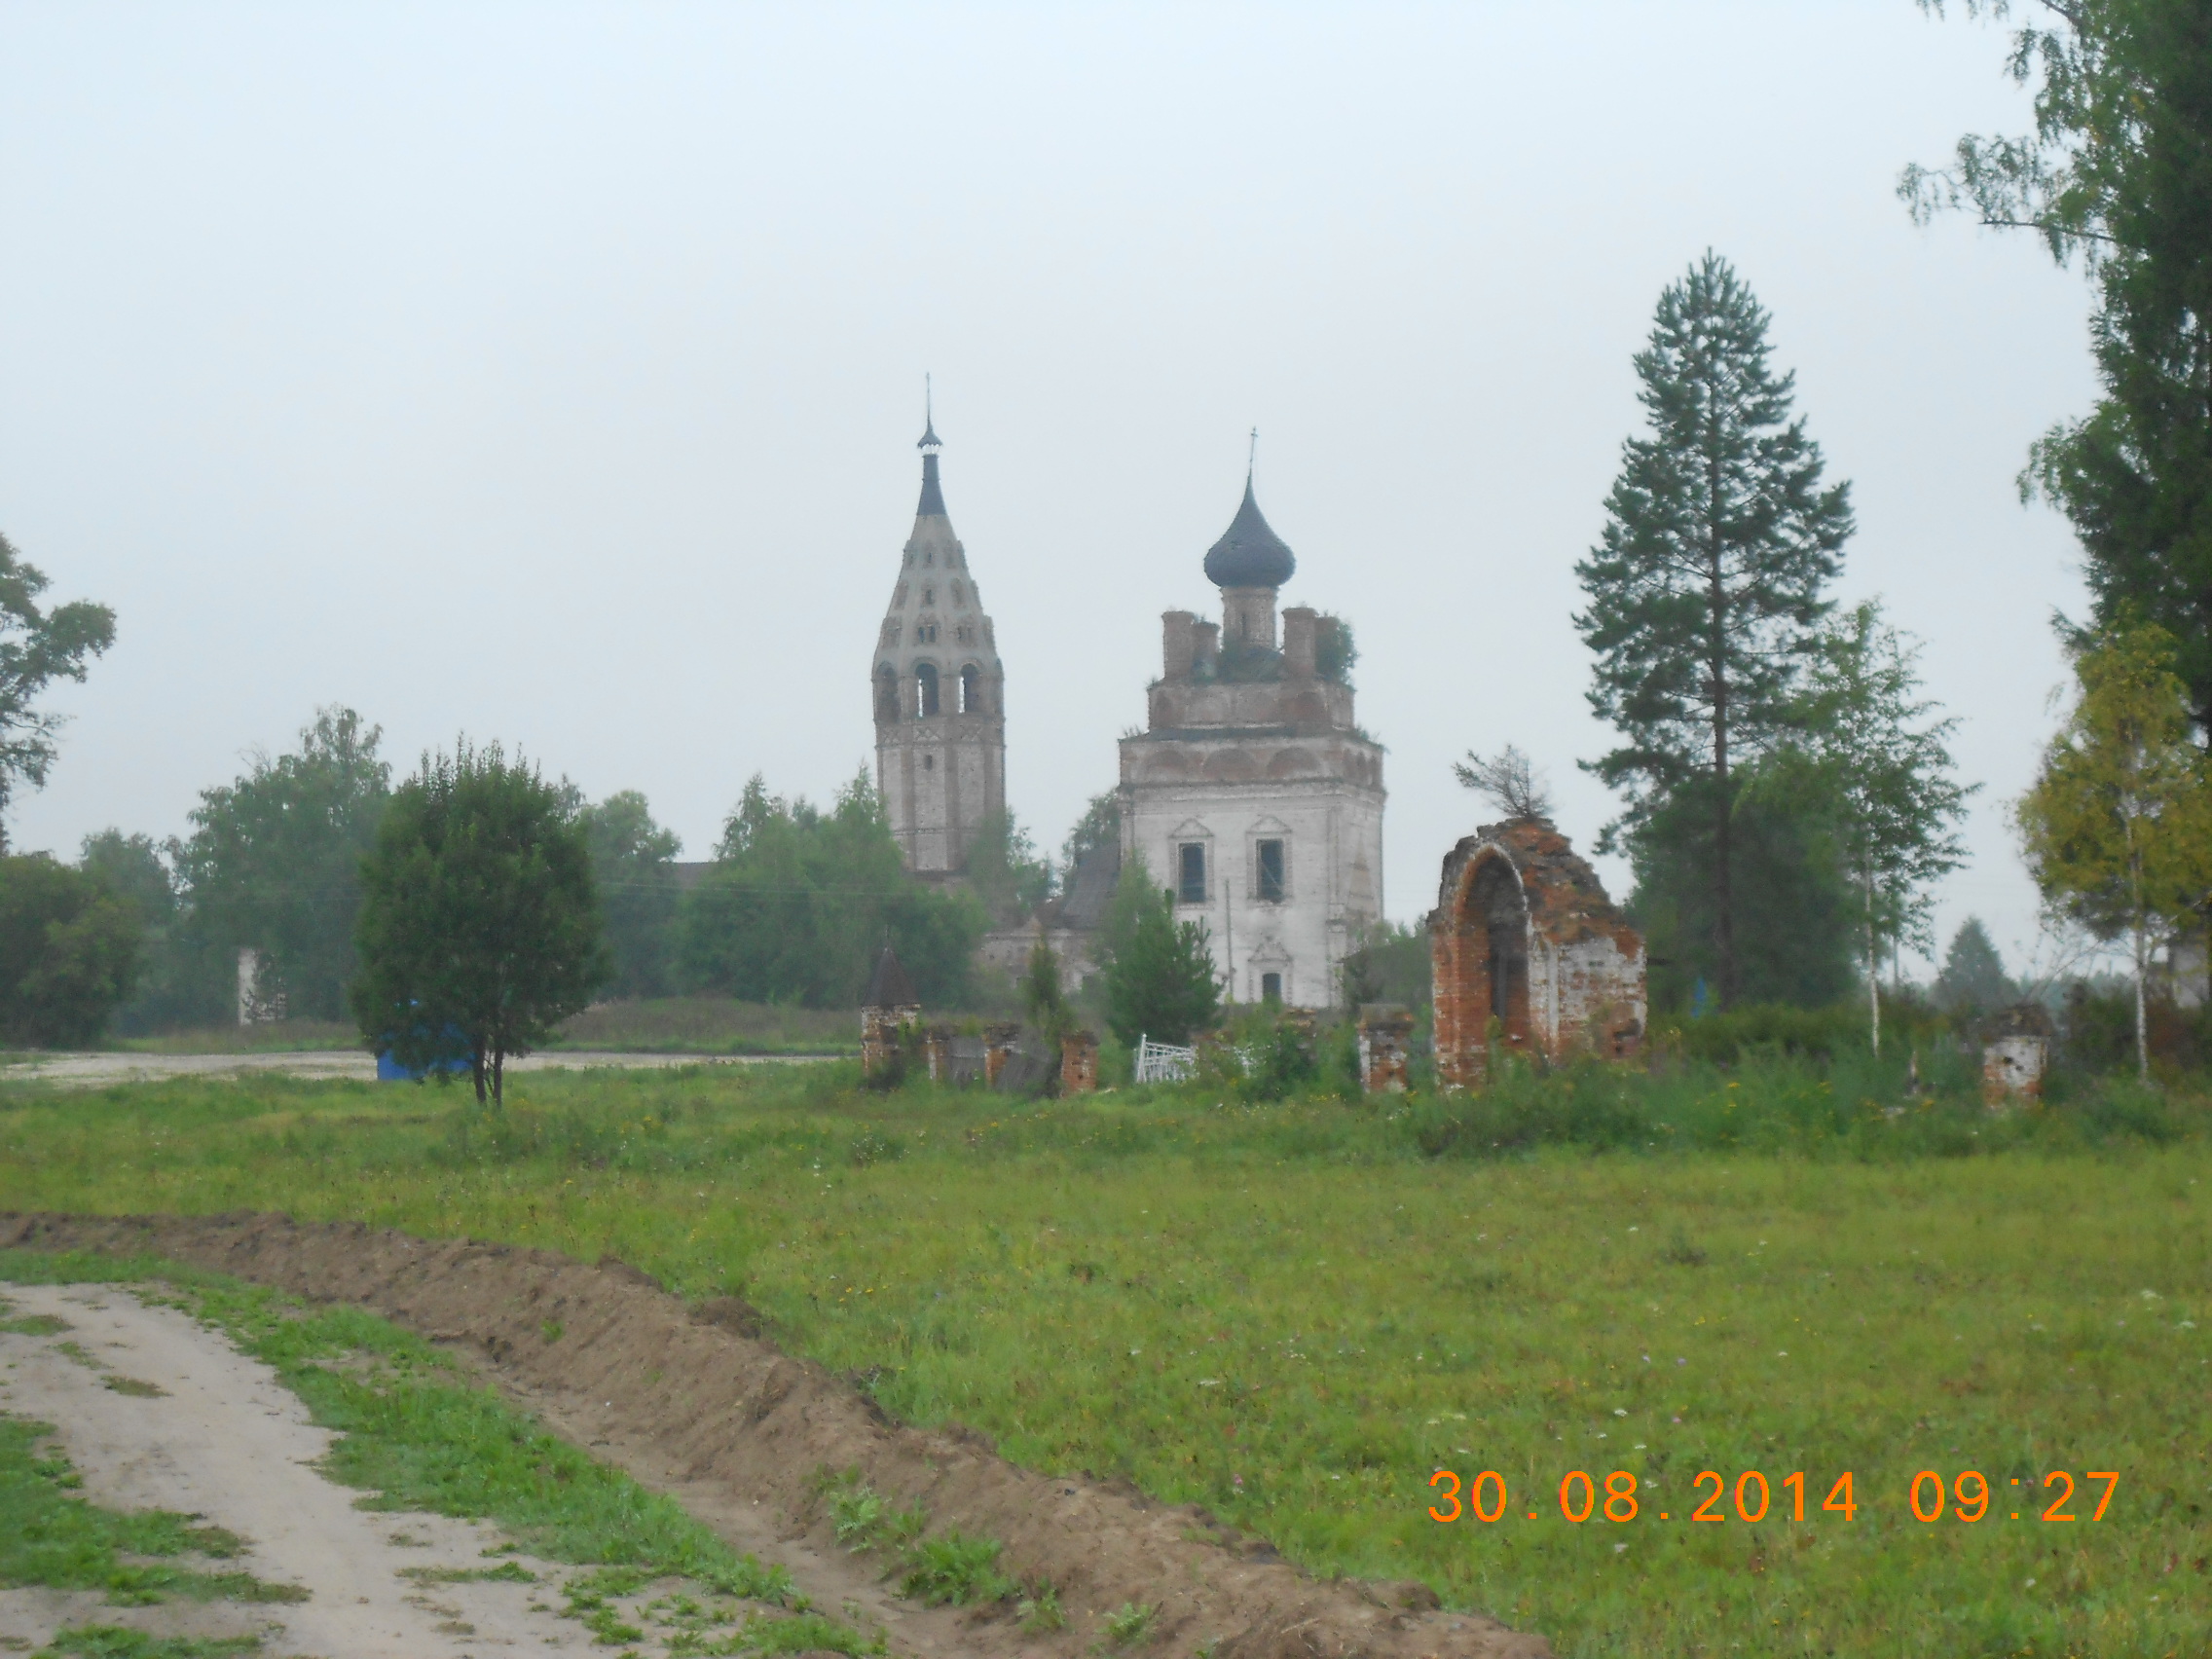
(1526, 947)
(1485, 974)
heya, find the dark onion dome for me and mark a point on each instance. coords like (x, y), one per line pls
(1249, 555)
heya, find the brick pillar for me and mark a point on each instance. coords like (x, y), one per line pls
(1079, 1063)
(998, 1048)
(1386, 1037)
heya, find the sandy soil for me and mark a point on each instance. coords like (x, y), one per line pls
(96, 1070)
(694, 1402)
(228, 1442)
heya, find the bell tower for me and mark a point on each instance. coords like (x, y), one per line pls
(937, 688)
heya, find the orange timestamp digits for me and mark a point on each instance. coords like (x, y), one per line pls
(1751, 1499)
(1580, 1499)
(1969, 1495)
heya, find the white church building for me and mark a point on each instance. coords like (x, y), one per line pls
(1252, 795)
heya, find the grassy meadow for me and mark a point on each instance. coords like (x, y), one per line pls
(1293, 1313)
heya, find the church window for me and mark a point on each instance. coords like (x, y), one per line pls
(925, 690)
(929, 558)
(1273, 887)
(1270, 987)
(971, 690)
(929, 596)
(1190, 874)
(886, 694)
(929, 762)
(958, 597)
(899, 598)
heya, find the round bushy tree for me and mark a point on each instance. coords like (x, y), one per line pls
(479, 929)
(68, 952)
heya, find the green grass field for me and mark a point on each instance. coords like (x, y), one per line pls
(1294, 1314)
(684, 1026)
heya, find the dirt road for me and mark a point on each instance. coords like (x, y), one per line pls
(223, 1439)
(97, 1070)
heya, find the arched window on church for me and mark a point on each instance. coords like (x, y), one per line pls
(925, 690)
(886, 694)
(971, 690)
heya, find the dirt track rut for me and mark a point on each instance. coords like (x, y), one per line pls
(692, 1402)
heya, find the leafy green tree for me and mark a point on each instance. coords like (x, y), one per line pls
(633, 863)
(1707, 590)
(1159, 973)
(170, 987)
(2118, 169)
(69, 944)
(274, 861)
(1044, 1002)
(800, 899)
(1794, 910)
(1390, 964)
(1973, 979)
(1101, 825)
(36, 649)
(2117, 825)
(1871, 748)
(479, 926)
(1004, 872)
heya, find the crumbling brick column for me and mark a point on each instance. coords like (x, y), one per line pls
(1079, 1063)
(937, 1052)
(998, 1049)
(1386, 1041)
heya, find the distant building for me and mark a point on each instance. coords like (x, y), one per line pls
(939, 693)
(1252, 795)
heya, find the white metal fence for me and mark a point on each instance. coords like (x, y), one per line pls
(1163, 1062)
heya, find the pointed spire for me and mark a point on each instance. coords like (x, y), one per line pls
(933, 497)
(929, 440)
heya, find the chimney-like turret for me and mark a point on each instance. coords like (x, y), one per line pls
(1300, 631)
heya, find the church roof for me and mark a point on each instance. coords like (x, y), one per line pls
(933, 499)
(888, 985)
(1249, 554)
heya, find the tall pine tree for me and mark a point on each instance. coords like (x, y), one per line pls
(1707, 590)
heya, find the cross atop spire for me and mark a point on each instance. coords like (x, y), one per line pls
(931, 443)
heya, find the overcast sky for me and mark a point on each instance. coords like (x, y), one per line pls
(552, 372)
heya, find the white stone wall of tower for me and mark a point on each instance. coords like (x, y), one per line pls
(940, 774)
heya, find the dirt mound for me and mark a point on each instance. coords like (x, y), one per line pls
(719, 1406)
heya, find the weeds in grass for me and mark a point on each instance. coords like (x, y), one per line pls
(864, 1519)
(34, 1325)
(137, 1387)
(806, 1632)
(1130, 1624)
(1040, 1610)
(506, 1572)
(51, 1539)
(954, 1570)
(113, 1642)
